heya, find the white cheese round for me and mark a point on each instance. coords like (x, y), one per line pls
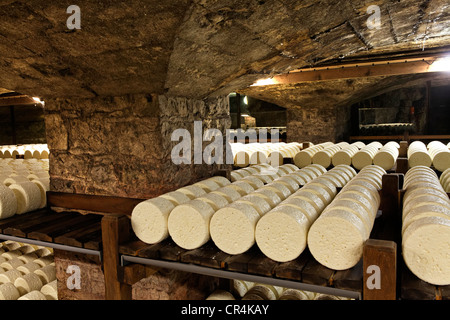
(268, 195)
(306, 204)
(281, 233)
(336, 239)
(176, 197)
(425, 248)
(149, 219)
(28, 196)
(188, 224)
(27, 283)
(8, 202)
(9, 292)
(192, 191)
(233, 227)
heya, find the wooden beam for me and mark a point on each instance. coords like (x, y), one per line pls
(16, 101)
(376, 70)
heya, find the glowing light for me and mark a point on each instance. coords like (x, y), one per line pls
(441, 64)
(264, 82)
(245, 100)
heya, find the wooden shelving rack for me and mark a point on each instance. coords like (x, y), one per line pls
(106, 231)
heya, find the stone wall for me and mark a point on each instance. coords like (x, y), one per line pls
(121, 146)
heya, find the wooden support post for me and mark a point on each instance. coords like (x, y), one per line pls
(390, 200)
(403, 150)
(115, 230)
(380, 270)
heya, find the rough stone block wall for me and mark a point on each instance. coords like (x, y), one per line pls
(121, 146)
(311, 124)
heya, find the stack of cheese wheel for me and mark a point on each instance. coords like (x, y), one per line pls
(418, 155)
(364, 157)
(345, 155)
(283, 151)
(426, 226)
(337, 237)
(445, 180)
(232, 228)
(25, 270)
(281, 234)
(387, 155)
(305, 157)
(325, 156)
(149, 218)
(440, 155)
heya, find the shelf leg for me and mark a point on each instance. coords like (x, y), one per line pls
(380, 270)
(115, 230)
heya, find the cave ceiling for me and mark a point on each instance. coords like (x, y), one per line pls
(206, 48)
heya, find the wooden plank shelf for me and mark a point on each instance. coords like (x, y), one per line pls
(65, 228)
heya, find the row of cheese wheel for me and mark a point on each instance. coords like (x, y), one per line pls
(426, 226)
(28, 151)
(27, 272)
(246, 290)
(337, 237)
(281, 234)
(435, 154)
(263, 153)
(193, 205)
(358, 155)
(23, 186)
(444, 179)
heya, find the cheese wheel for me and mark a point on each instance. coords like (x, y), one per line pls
(207, 185)
(337, 177)
(301, 175)
(10, 276)
(362, 159)
(242, 159)
(425, 248)
(229, 193)
(216, 201)
(176, 197)
(244, 186)
(290, 183)
(9, 292)
(260, 204)
(233, 227)
(43, 190)
(28, 267)
(15, 179)
(313, 196)
(46, 274)
(352, 173)
(11, 264)
(12, 254)
(28, 196)
(424, 199)
(220, 295)
(235, 176)
(44, 261)
(253, 181)
(268, 195)
(192, 191)
(367, 217)
(221, 181)
(28, 257)
(149, 219)
(279, 188)
(311, 209)
(300, 181)
(8, 202)
(315, 169)
(303, 158)
(369, 204)
(425, 210)
(320, 191)
(419, 158)
(336, 239)
(281, 233)
(27, 283)
(33, 295)
(188, 224)
(325, 184)
(294, 294)
(50, 290)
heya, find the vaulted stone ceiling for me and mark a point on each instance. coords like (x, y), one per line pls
(201, 48)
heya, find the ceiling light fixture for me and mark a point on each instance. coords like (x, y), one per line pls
(440, 64)
(264, 82)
